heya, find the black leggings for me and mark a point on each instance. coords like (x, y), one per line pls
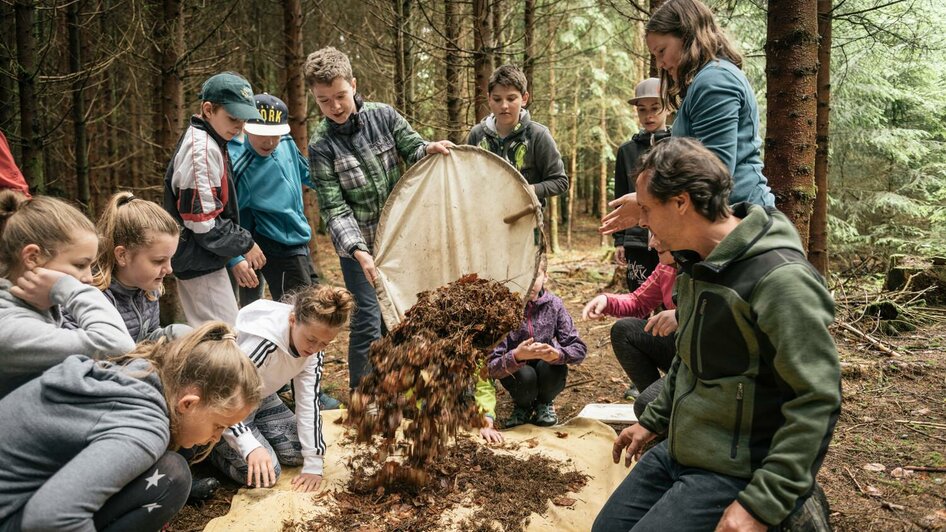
(536, 382)
(642, 355)
(146, 503)
(283, 275)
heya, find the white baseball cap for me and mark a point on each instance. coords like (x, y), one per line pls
(649, 88)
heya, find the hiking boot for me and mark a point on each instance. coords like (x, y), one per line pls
(327, 402)
(545, 415)
(631, 393)
(520, 416)
(202, 489)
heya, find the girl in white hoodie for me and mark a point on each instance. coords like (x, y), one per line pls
(285, 342)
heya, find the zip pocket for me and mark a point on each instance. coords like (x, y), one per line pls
(699, 338)
(735, 433)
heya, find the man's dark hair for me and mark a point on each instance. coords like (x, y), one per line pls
(508, 76)
(678, 164)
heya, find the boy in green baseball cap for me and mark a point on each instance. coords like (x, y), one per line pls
(200, 193)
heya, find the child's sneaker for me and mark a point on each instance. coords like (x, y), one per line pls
(545, 415)
(631, 393)
(520, 416)
(327, 402)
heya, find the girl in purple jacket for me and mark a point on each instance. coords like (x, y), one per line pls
(532, 362)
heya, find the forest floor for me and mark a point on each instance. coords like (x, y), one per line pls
(892, 424)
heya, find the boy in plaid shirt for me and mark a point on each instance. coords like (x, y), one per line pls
(353, 157)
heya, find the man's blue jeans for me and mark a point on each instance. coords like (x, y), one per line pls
(661, 495)
(366, 324)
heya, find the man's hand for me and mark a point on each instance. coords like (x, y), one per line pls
(367, 264)
(34, 286)
(619, 256)
(489, 433)
(594, 309)
(245, 275)
(306, 482)
(632, 440)
(663, 323)
(736, 518)
(626, 214)
(260, 472)
(441, 146)
(255, 257)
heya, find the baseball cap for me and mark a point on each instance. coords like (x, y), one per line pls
(275, 117)
(233, 93)
(649, 88)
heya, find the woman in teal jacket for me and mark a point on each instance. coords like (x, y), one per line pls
(700, 78)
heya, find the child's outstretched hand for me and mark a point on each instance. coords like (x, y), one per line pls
(306, 482)
(594, 310)
(489, 432)
(34, 286)
(260, 472)
(440, 146)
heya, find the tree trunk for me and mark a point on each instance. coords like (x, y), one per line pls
(483, 60)
(554, 212)
(528, 53)
(32, 158)
(170, 38)
(653, 73)
(403, 60)
(78, 105)
(818, 242)
(452, 25)
(791, 54)
(603, 175)
(573, 169)
(7, 83)
(497, 10)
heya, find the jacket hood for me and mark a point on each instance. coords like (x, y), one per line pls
(761, 229)
(646, 138)
(524, 120)
(80, 379)
(266, 319)
(203, 125)
(545, 297)
(10, 304)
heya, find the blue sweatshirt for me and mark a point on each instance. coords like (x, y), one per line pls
(720, 110)
(269, 193)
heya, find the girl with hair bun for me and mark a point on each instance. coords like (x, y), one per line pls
(90, 445)
(286, 342)
(46, 252)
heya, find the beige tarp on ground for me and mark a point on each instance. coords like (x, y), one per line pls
(587, 447)
(444, 219)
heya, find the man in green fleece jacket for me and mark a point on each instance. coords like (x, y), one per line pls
(752, 398)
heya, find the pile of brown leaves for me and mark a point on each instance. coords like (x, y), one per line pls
(505, 490)
(424, 371)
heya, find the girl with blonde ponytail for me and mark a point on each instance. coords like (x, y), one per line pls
(137, 240)
(90, 445)
(46, 252)
(285, 342)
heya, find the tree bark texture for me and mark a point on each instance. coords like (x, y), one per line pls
(497, 13)
(528, 39)
(572, 169)
(453, 64)
(483, 58)
(8, 63)
(32, 159)
(78, 105)
(554, 204)
(652, 71)
(603, 169)
(791, 54)
(818, 240)
(170, 38)
(403, 59)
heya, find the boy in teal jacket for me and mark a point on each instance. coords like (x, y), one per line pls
(751, 400)
(269, 172)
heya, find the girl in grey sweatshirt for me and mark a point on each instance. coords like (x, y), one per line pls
(46, 251)
(89, 444)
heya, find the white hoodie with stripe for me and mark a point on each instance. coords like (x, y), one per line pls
(263, 328)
